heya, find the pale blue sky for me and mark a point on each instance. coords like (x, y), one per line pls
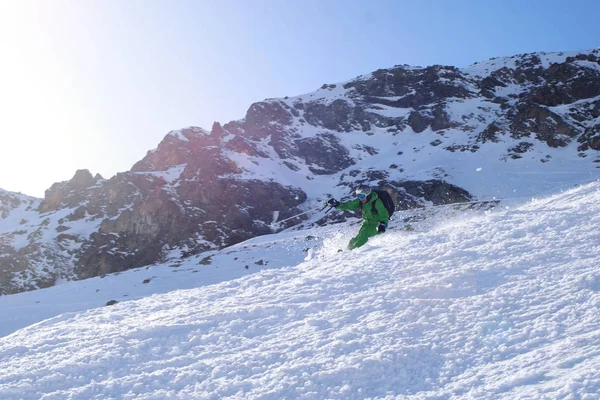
(97, 83)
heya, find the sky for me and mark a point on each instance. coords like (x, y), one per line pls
(96, 84)
(501, 304)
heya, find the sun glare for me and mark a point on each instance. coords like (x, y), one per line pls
(38, 113)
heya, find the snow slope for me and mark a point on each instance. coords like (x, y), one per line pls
(502, 305)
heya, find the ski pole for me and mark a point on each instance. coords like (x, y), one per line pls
(297, 215)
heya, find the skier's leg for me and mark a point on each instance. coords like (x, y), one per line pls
(366, 231)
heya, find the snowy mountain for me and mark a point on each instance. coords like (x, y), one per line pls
(500, 304)
(513, 127)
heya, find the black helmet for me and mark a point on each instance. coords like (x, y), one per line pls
(363, 189)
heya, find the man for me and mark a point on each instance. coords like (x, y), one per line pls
(375, 215)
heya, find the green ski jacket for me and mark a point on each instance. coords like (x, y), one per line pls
(381, 214)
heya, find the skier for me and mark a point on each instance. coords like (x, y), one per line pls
(375, 215)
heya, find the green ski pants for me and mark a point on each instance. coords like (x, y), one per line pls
(367, 230)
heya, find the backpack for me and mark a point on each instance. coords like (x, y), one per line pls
(387, 201)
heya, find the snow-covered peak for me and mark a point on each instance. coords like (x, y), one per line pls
(190, 132)
(328, 93)
(10, 201)
(178, 135)
(14, 195)
(542, 59)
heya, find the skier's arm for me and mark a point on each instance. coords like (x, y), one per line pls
(350, 205)
(382, 212)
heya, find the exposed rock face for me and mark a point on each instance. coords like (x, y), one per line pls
(416, 87)
(585, 112)
(266, 118)
(176, 148)
(591, 138)
(337, 116)
(70, 193)
(549, 127)
(435, 191)
(201, 190)
(324, 154)
(538, 107)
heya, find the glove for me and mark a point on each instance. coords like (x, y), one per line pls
(381, 227)
(333, 203)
